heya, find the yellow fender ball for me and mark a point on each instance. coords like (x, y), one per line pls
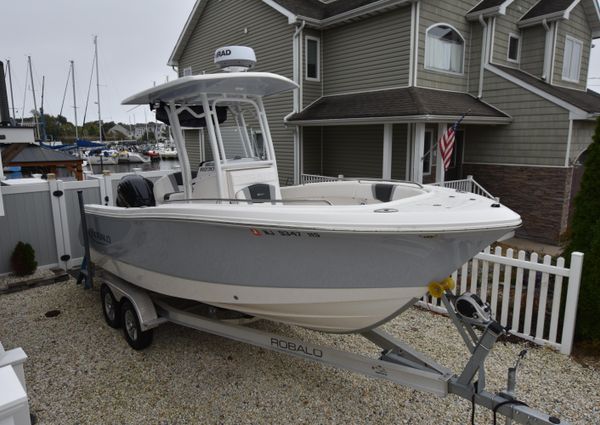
(435, 289)
(448, 284)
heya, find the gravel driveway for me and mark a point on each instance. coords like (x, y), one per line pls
(80, 371)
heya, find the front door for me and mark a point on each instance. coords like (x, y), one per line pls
(454, 172)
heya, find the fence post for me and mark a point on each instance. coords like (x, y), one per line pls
(55, 206)
(566, 344)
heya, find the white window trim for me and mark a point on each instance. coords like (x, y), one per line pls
(187, 71)
(432, 156)
(508, 58)
(427, 45)
(575, 40)
(318, 40)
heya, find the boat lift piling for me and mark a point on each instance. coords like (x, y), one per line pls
(143, 311)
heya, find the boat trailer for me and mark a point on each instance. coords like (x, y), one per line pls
(139, 311)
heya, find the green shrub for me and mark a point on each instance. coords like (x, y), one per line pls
(22, 259)
(585, 237)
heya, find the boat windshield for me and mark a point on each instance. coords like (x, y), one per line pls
(241, 136)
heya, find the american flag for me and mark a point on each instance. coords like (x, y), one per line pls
(447, 143)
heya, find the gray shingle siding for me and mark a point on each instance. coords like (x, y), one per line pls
(312, 147)
(370, 54)
(253, 24)
(507, 24)
(399, 150)
(537, 136)
(533, 43)
(578, 28)
(453, 13)
(354, 151)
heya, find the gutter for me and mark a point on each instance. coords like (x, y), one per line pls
(401, 120)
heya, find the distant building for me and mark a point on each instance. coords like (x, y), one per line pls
(119, 132)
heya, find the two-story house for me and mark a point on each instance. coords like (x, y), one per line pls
(381, 80)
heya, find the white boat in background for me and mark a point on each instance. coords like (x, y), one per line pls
(341, 256)
(104, 157)
(130, 157)
(168, 152)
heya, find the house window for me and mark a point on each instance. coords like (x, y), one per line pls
(312, 58)
(444, 49)
(572, 59)
(514, 47)
(428, 153)
(187, 71)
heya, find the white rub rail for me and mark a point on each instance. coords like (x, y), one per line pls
(525, 295)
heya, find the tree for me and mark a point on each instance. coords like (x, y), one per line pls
(585, 237)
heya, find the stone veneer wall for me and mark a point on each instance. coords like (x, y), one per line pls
(542, 195)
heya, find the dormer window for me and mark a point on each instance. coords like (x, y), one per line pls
(572, 59)
(514, 47)
(444, 49)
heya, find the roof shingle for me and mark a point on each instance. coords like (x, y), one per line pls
(588, 100)
(546, 7)
(319, 10)
(486, 4)
(409, 101)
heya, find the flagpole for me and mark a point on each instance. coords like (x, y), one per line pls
(434, 147)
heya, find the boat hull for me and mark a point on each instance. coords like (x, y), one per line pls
(333, 281)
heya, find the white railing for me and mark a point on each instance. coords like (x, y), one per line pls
(466, 185)
(525, 295)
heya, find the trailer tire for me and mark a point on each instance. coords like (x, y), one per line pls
(135, 337)
(110, 307)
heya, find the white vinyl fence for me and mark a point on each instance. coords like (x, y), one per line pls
(46, 215)
(536, 300)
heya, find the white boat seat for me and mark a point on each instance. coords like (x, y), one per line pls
(165, 188)
(258, 191)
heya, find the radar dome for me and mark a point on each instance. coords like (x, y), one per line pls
(235, 58)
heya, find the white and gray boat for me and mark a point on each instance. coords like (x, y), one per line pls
(340, 256)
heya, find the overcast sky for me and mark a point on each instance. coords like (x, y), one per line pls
(135, 40)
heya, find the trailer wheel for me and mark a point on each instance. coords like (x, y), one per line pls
(136, 338)
(110, 307)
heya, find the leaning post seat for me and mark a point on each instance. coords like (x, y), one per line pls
(135, 191)
(165, 187)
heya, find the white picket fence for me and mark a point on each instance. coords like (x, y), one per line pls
(526, 295)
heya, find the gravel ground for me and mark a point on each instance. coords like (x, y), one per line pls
(10, 278)
(80, 371)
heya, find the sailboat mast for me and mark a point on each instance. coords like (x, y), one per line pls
(42, 119)
(34, 100)
(98, 86)
(12, 97)
(74, 99)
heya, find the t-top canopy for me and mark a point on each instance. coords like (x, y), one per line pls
(189, 89)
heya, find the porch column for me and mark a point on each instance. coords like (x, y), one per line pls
(387, 152)
(418, 152)
(439, 164)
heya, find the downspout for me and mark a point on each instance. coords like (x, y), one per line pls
(297, 96)
(547, 50)
(484, 44)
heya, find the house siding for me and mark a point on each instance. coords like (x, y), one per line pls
(253, 24)
(581, 138)
(533, 44)
(537, 136)
(354, 151)
(311, 90)
(576, 27)
(507, 24)
(399, 147)
(370, 54)
(453, 13)
(474, 64)
(312, 150)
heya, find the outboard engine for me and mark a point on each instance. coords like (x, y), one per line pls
(135, 191)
